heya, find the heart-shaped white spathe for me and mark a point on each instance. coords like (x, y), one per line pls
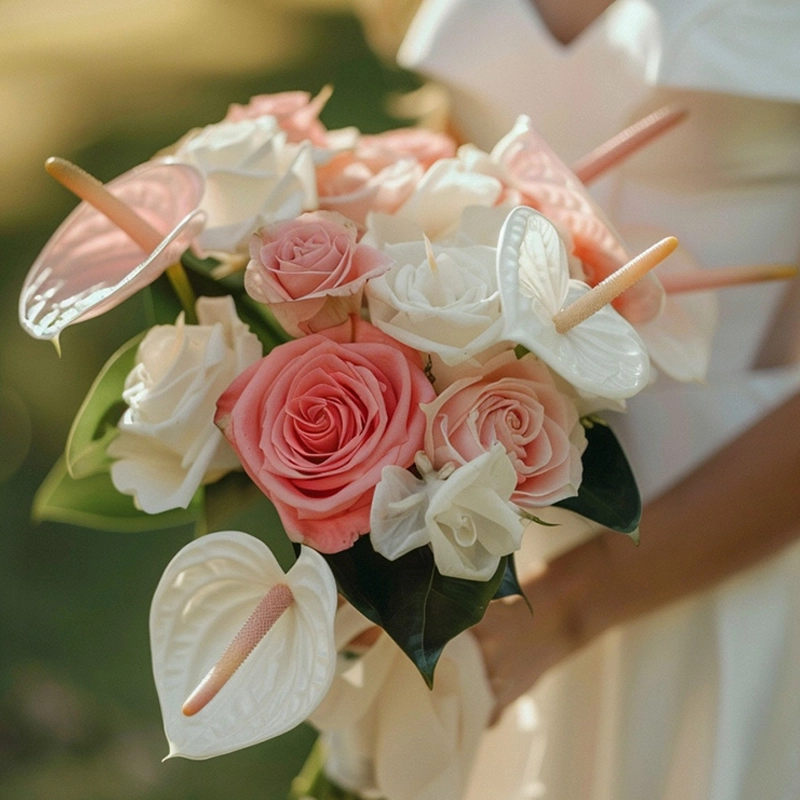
(205, 597)
(679, 340)
(601, 356)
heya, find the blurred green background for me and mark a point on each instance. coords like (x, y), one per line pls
(107, 83)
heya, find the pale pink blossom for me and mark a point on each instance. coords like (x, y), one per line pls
(425, 146)
(297, 113)
(311, 270)
(514, 402)
(375, 176)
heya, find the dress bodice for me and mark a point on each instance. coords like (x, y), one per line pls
(726, 182)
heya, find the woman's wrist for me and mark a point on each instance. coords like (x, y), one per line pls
(588, 588)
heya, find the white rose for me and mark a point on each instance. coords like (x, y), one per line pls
(464, 514)
(448, 304)
(253, 177)
(448, 187)
(168, 444)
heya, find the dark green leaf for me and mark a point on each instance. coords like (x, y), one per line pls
(162, 305)
(95, 424)
(256, 315)
(236, 503)
(417, 606)
(509, 586)
(261, 321)
(608, 493)
(93, 502)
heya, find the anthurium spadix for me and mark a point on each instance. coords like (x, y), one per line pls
(118, 240)
(602, 355)
(242, 651)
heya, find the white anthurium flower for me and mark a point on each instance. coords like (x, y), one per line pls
(441, 300)
(386, 734)
(601, 356)
(253, 176)
(242, 652)
(464, 514)
(679, 339)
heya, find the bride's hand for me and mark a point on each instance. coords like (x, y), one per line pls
(519, 643)
(735, 510)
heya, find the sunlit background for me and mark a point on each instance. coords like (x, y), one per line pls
(106, 83)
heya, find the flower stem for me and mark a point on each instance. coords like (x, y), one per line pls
(626, 143)
(179, 281)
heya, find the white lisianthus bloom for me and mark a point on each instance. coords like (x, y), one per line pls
(464, 514)
(253, 177)
(168, 444)
(446, 303)
(386, 734)
(242, 652)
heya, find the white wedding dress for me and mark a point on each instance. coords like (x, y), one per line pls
(700, 701)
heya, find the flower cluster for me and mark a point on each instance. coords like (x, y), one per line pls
(429, 328)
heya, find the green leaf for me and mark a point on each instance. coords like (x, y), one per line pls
(93, 502)
(256, 315)
(418, 607)
(608, 493)
(95, 424)
(261, 321)
(162, 306)
(236, 503)
(509, 585)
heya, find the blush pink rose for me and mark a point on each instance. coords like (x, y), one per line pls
(514, 402)
(419, 143)
(371, 177)
(317, 420)
(311, 270)
(296, 113)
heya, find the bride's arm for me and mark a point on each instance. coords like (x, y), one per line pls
(738, 508)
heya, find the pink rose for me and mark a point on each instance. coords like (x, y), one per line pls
(514, 402)
(316, 421)
(419, 143)
(296, 113)
(372, 177)
(311, 270)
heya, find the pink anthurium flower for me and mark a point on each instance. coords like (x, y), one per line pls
(242, 651)
(95, 259)
(551, 187)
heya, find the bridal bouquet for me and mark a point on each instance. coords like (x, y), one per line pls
(400, 345)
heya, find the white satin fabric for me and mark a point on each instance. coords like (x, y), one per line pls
(700, 701)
